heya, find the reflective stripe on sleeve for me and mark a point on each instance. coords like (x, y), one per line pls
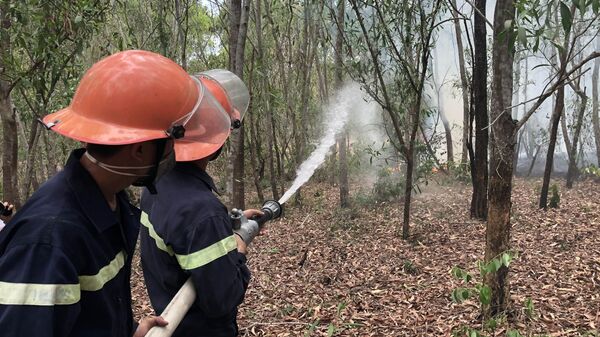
(208, 254)
(59, 294)
(159, 241)
(196, 259)
(38, 294)
(107, 273)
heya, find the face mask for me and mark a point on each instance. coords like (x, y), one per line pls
(164, 166)
(148, 180)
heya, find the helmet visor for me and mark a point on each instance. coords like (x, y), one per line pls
(208, 122)
(234, 87)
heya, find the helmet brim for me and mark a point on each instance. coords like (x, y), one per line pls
(75, 126)
(190, 151)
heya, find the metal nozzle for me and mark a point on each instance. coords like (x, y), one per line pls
(272, 208)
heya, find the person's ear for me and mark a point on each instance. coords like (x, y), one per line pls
(137, 152)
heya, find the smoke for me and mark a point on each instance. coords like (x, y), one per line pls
(346, 100)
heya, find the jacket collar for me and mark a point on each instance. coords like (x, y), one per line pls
(195, 171)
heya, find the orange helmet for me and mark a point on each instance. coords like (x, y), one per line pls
(129, 97)
(225, 101)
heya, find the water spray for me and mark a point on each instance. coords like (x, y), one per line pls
(246, 228)
(336, 119)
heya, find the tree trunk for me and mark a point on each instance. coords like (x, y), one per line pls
(464, 85)
(537, 151)
(237, 42)
(559, 106)
(10, 142)
(502, 147)
(343, 164)
(480, 69)
(565, 133)
(555, 121)
(440, 105)
(572, 172)
(515, 114)
(595, 118)
(410, 161)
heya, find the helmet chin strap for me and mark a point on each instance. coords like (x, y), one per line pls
(114, 168)
(147, 180)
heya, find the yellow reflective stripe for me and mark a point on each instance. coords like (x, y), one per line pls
(107, 273)
(38, 294)
(196, 259)
(159, 241)
(208, 254)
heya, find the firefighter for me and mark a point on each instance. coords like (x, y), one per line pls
(187, 231)
(65, 257)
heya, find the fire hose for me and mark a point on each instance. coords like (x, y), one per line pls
(247, 229)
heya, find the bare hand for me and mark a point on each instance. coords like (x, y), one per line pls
(241, 245)
(147, 323)
(9, 207)
(252, 213)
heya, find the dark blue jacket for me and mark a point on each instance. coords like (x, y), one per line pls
(187, 232)
(65, 261)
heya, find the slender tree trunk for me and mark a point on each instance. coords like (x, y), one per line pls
(32, 154)
(464, 85)
(254, 142)
(559, 106)
(480, 183)
(565, 133)
(572, 172)
(10, 142)
(272, 150)
(343, 164)
(515, 114)
(555, 121)
(410, 162)
(595, 117)
(441, 107)
(537, 151)
(238, 29)
(501, 166)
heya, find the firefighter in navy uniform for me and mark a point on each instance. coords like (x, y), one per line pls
(65, 257)
(187, 231)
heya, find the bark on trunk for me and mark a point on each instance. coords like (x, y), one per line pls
(537, 151)
(559, 105)
(502, 147)
(410, 162)
(343, 163)
(555, 121)
(480, 182)
(239, 27)
(10, 142)
(573, 171)
(464, 85)
(595, 118)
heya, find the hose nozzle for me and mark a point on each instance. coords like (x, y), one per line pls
(246, 228)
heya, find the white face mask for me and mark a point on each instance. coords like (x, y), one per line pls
(164, 166)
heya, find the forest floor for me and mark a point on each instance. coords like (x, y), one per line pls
(322, 271)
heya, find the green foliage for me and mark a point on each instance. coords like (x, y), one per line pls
(389, 185)
(478, 291)
(555, 196)
(592, 171)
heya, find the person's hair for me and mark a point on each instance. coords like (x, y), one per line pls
(103, 150)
